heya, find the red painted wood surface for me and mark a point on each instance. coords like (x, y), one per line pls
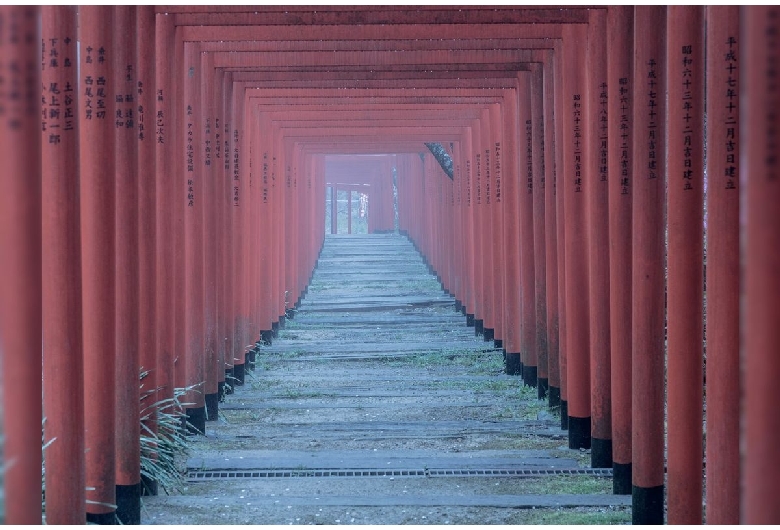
(63, 364)
(761, 185)
(648, 251)
(20, 268)
(723, 265)
(98, 211)
(620, 28)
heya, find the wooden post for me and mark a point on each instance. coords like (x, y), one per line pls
(63, 364)
(575, 115)
(760, 185)
(20, 266)
(97, 185)
(685, 163)
(723, 265)
(122, 116)
(647, 318)
(596, 198)
(193, 196)
(620, 40)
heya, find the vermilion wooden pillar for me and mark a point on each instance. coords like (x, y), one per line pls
(685, 163)
(194, 197)
(20, 266)
(527, 275)
(96, 145)
(224, 205)
(238, 204)
(469, 299)
(647, 318)
(760, 182)
(560, 232)
(538, 195)
(598, 240)
(620, 40)
(211, 236)
(489, 237)
(499, 247)
(179, 203)
(123, 108)
(62, 335)
(161, 134)
(477, 235)
(510, 190)
(147, 213)
(723, 268)
(550, 230)
(575, 130)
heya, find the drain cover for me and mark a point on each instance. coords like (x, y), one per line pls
(217, 474)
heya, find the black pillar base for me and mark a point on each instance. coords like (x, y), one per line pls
(149, 487)
(554, 397)
(470, 320)
(212, 406)
(267, 337)
(512, 364)
(239, 372)
(529, 376)
(621, 479)
(600, 453)
(542, 385)
(275, 329)
(282, 321)
(479, 326)
(647, 505)
(564, 415)
(458, 306)
(251, 357)
(579, 433)
(230, 382)
(102, 518)
(488, 334)
(128, 504)
(196, 420)
(498, 344)
(463, 311)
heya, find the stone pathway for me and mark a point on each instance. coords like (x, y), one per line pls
(377, 405)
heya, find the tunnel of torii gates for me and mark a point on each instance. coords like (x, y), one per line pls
(162, 205)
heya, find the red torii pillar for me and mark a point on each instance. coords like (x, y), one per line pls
(647, 267)
(489, 237)
(576, 115)
(165, 269)
(620, 40)
(510, 197)
(560, 232)
(551, 168)
(685, 164)
(499, 247)
(20, 267)
(63, 364)
(759, 109)
(528, 364)
(194, 201)
(97, 185)
(149, 357)
(723, 265)
(211, 235)
(596, 216)
(127, 311)
(538, 228)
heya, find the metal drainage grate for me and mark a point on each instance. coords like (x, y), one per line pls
(297, 473)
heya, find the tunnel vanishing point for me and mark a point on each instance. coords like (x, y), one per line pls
(612, 209)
